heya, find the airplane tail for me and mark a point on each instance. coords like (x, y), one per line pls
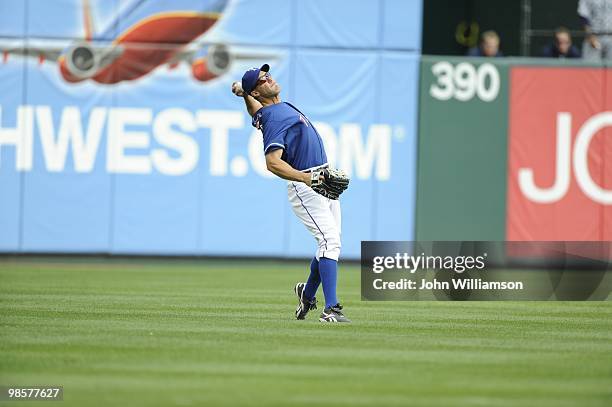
(81, 60)
(88, 21)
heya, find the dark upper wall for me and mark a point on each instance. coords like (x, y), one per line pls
(442, 17)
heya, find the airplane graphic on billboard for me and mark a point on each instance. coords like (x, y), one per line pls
(147, 34)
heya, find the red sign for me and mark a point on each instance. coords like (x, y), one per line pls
(560, 154)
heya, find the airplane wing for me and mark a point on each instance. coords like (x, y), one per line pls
(209, 61)
(82, 59)
(219, 50)
(25, 49)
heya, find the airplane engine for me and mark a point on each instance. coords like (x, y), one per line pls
(82, 61)
(213, 62)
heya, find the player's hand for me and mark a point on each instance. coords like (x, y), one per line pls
(594, 41)
(237, 89)
(329, 182)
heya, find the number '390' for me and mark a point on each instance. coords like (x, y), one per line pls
(464, 81)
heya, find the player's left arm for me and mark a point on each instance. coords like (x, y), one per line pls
(277, 166)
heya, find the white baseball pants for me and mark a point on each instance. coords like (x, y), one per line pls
(320, 215)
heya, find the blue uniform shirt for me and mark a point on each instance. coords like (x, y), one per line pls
(285, 127)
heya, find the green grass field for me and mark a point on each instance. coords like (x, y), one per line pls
(213, 333)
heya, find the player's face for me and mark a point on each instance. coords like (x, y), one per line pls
(266, 86)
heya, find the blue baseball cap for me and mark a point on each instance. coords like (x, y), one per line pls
(250, 78)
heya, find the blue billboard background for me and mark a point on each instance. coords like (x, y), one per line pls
(168, 164)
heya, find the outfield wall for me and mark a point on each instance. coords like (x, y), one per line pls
(168, 163)
(514, 149)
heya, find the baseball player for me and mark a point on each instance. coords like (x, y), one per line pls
(294, 151)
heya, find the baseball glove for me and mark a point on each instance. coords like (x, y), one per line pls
(329, 182)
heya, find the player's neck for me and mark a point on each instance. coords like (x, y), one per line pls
(270, 101)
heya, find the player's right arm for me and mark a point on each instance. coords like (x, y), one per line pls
(252, 105)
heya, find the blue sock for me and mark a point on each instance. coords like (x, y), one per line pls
(328, 269)
(314, 279)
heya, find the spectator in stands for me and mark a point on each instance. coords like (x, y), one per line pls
(596, 15)
(489, 46)
(561, 46)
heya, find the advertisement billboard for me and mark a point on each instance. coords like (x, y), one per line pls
(119, 133)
